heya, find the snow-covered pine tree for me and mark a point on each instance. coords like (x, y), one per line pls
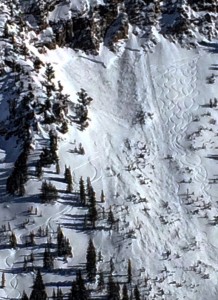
(91, 261)
(49, 72)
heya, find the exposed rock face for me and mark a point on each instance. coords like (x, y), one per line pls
(110, 22)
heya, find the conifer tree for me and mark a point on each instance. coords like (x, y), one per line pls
(25, 264)
(48, 192)
(63, 244)
(49, 72)
(110, 218)
(48, 259)
(82, 191)
(32, 238)
(24, 296)
(137, 293)
(101, 281)
(64, 127)
(89, 188)
(125, 293)
(84, 99)
(3, 280)
(78, 289)
(113, 290)
(91, 261)
(102, 197)
(68, 179)
(93, 214)
(38, 291)
(54, 295)
(129, 272)
(60, 295)
(57, 167)
(13, 240)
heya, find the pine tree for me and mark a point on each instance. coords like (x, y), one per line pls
(48, 259)
(91, 261)
(101, 281)
(25, 264)
(32, 238)
(125, 293)
(82, 191)
(93, 214)
(78, 289)
(102, 197)
(113, 290)
(24, 296)
(110, 218)
(60, 295)
(68, 179)
(38, 292)
(89, 188)
(48, 192)
(60, 86)
(129, 272)
(49, 72)
(13, 240)
(64, 127)
(84, 99)
(63, 244)
(57, 167)
(136, 293)
(9, 226)
(54, 295)
(3, 280)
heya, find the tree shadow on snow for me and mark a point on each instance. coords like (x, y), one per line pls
(210, 47)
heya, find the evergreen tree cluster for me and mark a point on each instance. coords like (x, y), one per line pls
(63, 244)
(48, 156)
(68, 179)
(88, 199)
(38, 291)
(58, 295)
(91, 261)
(48, 259)
(17, 179)
(48, 192)
(81, 109)
(78, 289)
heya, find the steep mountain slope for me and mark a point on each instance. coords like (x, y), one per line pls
(149, 138)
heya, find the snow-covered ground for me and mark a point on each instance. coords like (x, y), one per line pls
(151, 147)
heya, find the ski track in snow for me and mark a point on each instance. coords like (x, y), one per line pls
(182, 104)
(11, 258)
(57, 216)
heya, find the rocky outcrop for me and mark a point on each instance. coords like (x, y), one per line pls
(109, 23)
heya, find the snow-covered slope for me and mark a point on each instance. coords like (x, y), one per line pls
(150, 146)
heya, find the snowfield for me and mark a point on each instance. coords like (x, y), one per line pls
(151, 146)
